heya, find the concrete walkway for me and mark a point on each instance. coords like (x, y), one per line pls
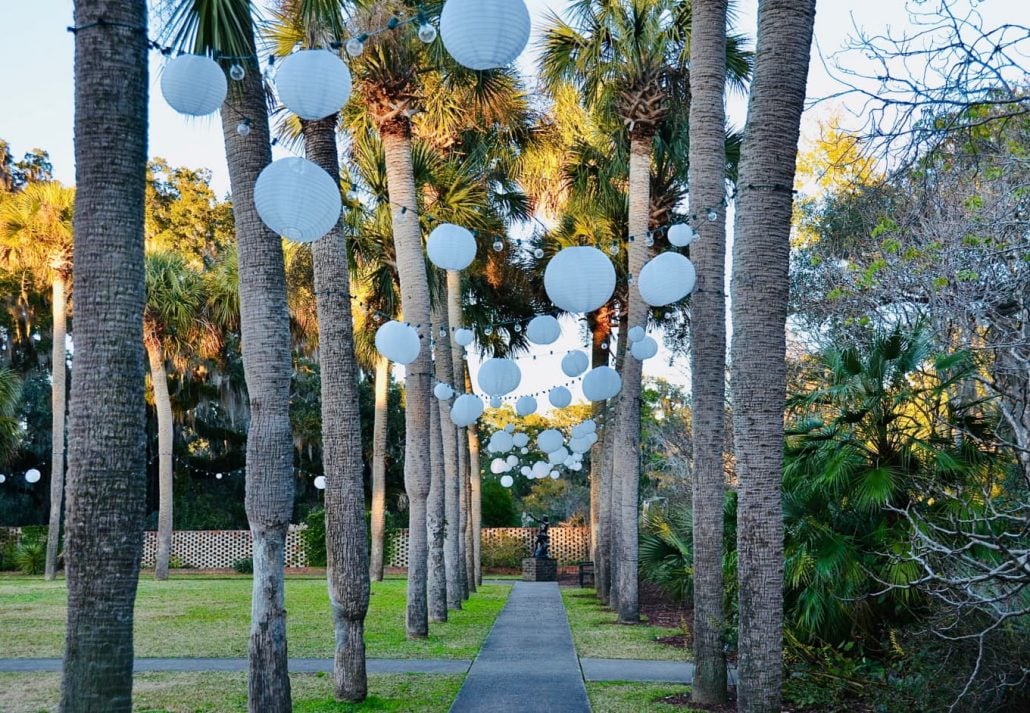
(528, 663)
(296, 665)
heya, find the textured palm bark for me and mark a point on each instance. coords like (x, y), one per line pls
(599, 324)
(465, 502)
(455, 320)
(761, 250)
(165, 480)
(267, 367)
(451, 470)
(436, 527)
(411, 268)
(707, 179)
(379, 434)
(611, 483)
(342, 460)
(59, 383)
(473, 538)
(107, 426)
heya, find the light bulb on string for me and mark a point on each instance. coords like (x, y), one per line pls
(613, 249)
(237, 73)
(355, 46)
(427, 33)
(498, 246)
(649, 240)
(518, 327)
(243, 128)
(488, 330)
(712, 215)
(538, 253)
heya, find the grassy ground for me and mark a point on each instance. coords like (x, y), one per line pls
(634, 697)
(192, 616)
(227, 693)
(596, 634)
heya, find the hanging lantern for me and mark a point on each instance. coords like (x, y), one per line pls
(443, 391)
(463, 337)
(681, 235)
(579, 445)
(636, 334)
(540, 469)
(526, 470)
(297, 199)
(602, 383)
(498, 466)
(498, 377)
(501, 442)
(510, 428)
(576, 466)
(451, 247)
(644, 349)
(579, 279)
(398, 342)
(667, 278)
(543, 330)
(558, 457)
(485, 34)
(495, 402)
(525, 406)
(520, 440)
(319, 482)
(512, 461)
(32, 475)
(575, 363)
(554, 475)
(466, 410)
(507, 481)
(589, 426)
(590, 438)
(194, 85)
(549, 440)
(313, 84)
(560, 397)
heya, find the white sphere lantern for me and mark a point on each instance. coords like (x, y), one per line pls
(558, 457)
(576, 466)
(485, 34)
(681, 235)
(510, 428)
(451, 247)
(443, 391)
(526, 470)
(319, 482)
(463, 337)
(520, 440)
(540, 469)
(32, 475)
(512, 461)
(498, 377)
(554, 475)
(543, 330)
(495, 402)
(313, 84)
(3, 478)
(575, 363)
(297, 199)
(398, 342)
(525, 406)
(194, 85)
(501, 442)
(602, 383)
(498, 466)
(667, 278)
(560, 397)
(636, 334)
(507, 481)
(579, 445)
(579, 279)
(589, 426)
(466, 410)
(550, 440)
(644, 349)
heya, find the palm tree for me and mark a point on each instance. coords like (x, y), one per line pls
(107, 428)
(758, 353)
(36, 237)
(10, 428)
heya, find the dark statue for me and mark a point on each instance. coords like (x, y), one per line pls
(543, 540)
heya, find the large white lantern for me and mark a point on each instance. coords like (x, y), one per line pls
(507, 481)
(589, 426)
(463, 337)
(550, 440)
(525, 406)
(644, 349)
(526, 470)
(451, 247)
(636, 334)
(681, 235)
(575, 363)
(543, 330)
(498, 377)
(560, 397)
(194, 85)
(512, 461)
(443, 391)
(602, 383)
(398, 342)
(32, 475)
(558, 457)
(520, 440)
(485, 34)
(541, 468)
(498, 466)
(579, 279)
(313, 84)
(297, 199)
(667, 278)
(466, 410)
(500, 442)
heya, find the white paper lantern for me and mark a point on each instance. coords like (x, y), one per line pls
(313, 84)
(681, 235)
(525, 406)
(443, 391)
(507, 481)
(510, 428)
(540, 469)
(589, 426)
(579, 445)
(526, 470)
(644, 349)
(32, 475)
(520, 440)
(466, 410)
(398, 342)
(512, 461)
(575, 363)
(463, 337)
(579, 279)
(524, 451)
(543, 330)
(549, 440)
(576, 466)
(320, 482)
(498, 377)
(560, 397)
(501, 442)
(557, 457)
(3, 478)
(495, 402)
(451, 247)
(554, 475)
(194, 85)
(636, 334)
(590, 438)
(485, 34)
(498, 466)
(602, 383)
(667, 278)
(297, 199)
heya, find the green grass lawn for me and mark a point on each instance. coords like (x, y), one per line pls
(597, 635)
(634, 697)
(196, 616)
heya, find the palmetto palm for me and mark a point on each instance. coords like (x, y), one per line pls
(10, 428)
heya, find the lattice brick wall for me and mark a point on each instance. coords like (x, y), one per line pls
(9, 534)
(219, 549)
(568, 544)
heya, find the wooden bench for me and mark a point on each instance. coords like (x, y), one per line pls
(586, 569)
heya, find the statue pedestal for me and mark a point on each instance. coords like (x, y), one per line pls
(539, 569)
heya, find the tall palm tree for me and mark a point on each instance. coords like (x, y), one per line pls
(36, 237)
(107, 428)
(759, 306)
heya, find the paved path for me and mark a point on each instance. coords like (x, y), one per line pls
(528, 663)
(296, 665)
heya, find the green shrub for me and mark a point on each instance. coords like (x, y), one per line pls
(314, 538)
(30, 556)
(498, 508)
(505, 551)
(244, 566)
(7, 562)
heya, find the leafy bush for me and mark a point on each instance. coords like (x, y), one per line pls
(7, 550)
(497, 507)
(505, 551)
(314, 538)
(244, 566)
(30, 556)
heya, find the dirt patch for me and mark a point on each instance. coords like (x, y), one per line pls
(683, 700)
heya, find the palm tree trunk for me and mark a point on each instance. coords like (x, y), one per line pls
(343, 463)
(59, 379)
(471, 515)
(267, 367)
(453, 477)
(165, 434)
(759, 302)
(708, 342)
(379, 426)
(411, 270)
(600, 327)
(107, 427)
(436, 526)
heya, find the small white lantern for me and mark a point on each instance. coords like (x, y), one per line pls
(297, 199)
(525, 406)
(398, 342)
(520, 440)
(319, 482)
(501, 442)
(575, 363)
(510, 428)
(590, 438)
(498, 466)
(554, 475)
(636, 334)
(443, 391)
(526, 470)
(576, 466)
(579, 279)
(667, 278)
(466, 410)
(32, 475)
(512, 461)
(560, 397)
(681, 235)
(644, 349)
(540, 469)
(558, 457)
(3, 478)
(550, 440)
(485, 34)
(602, 383)
(463, 337)
(589, 426)
(313, 84)
(451, 247)
(579, 445)
(498, 377)
(507, 481)
(543, 330)
(495, 402)
(194, 85)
